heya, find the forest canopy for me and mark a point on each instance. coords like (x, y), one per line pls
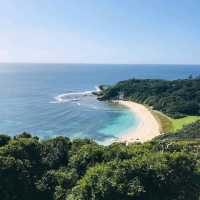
(62, 169)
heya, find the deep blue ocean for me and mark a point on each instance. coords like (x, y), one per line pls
(48, 100)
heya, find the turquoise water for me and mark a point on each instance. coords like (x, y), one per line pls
(55, 99)
(120, 124)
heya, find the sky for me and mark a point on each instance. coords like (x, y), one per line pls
(100, 31)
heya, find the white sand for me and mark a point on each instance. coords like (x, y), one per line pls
(148, 127)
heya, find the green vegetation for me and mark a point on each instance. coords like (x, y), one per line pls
(178, 124)
(177, 98)
(190, 131)
(172, 125)
(61, 169)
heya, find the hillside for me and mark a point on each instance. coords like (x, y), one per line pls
(61, 169)
(191, 131)
(177, 98)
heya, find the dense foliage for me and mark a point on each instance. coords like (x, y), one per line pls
(175, 98)
(61, 169)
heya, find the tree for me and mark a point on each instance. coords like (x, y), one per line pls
(4, 139)
(55, 152)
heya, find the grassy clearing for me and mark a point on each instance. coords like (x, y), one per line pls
(172, 125)
(178, 124)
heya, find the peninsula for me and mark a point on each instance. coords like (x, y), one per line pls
(161, 105)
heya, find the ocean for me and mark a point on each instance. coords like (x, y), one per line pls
(48, 100)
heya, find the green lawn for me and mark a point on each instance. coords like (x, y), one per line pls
(177, 124)
(171, 125)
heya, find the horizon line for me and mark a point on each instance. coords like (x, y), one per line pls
(85, 63)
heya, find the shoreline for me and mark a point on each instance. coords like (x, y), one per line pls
(148, 127)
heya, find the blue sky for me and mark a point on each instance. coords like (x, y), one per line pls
(100, 31)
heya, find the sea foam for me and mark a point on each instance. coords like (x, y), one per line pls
(74, 96)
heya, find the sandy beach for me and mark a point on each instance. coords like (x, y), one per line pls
(148, 127)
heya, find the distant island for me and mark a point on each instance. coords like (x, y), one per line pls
(167, 167)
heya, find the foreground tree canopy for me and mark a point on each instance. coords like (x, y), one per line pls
(61, 169)
(175, 98)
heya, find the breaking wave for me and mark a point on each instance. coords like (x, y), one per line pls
(73, 96)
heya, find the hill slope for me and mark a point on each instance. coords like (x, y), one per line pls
(60, 169)
(177, 98)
